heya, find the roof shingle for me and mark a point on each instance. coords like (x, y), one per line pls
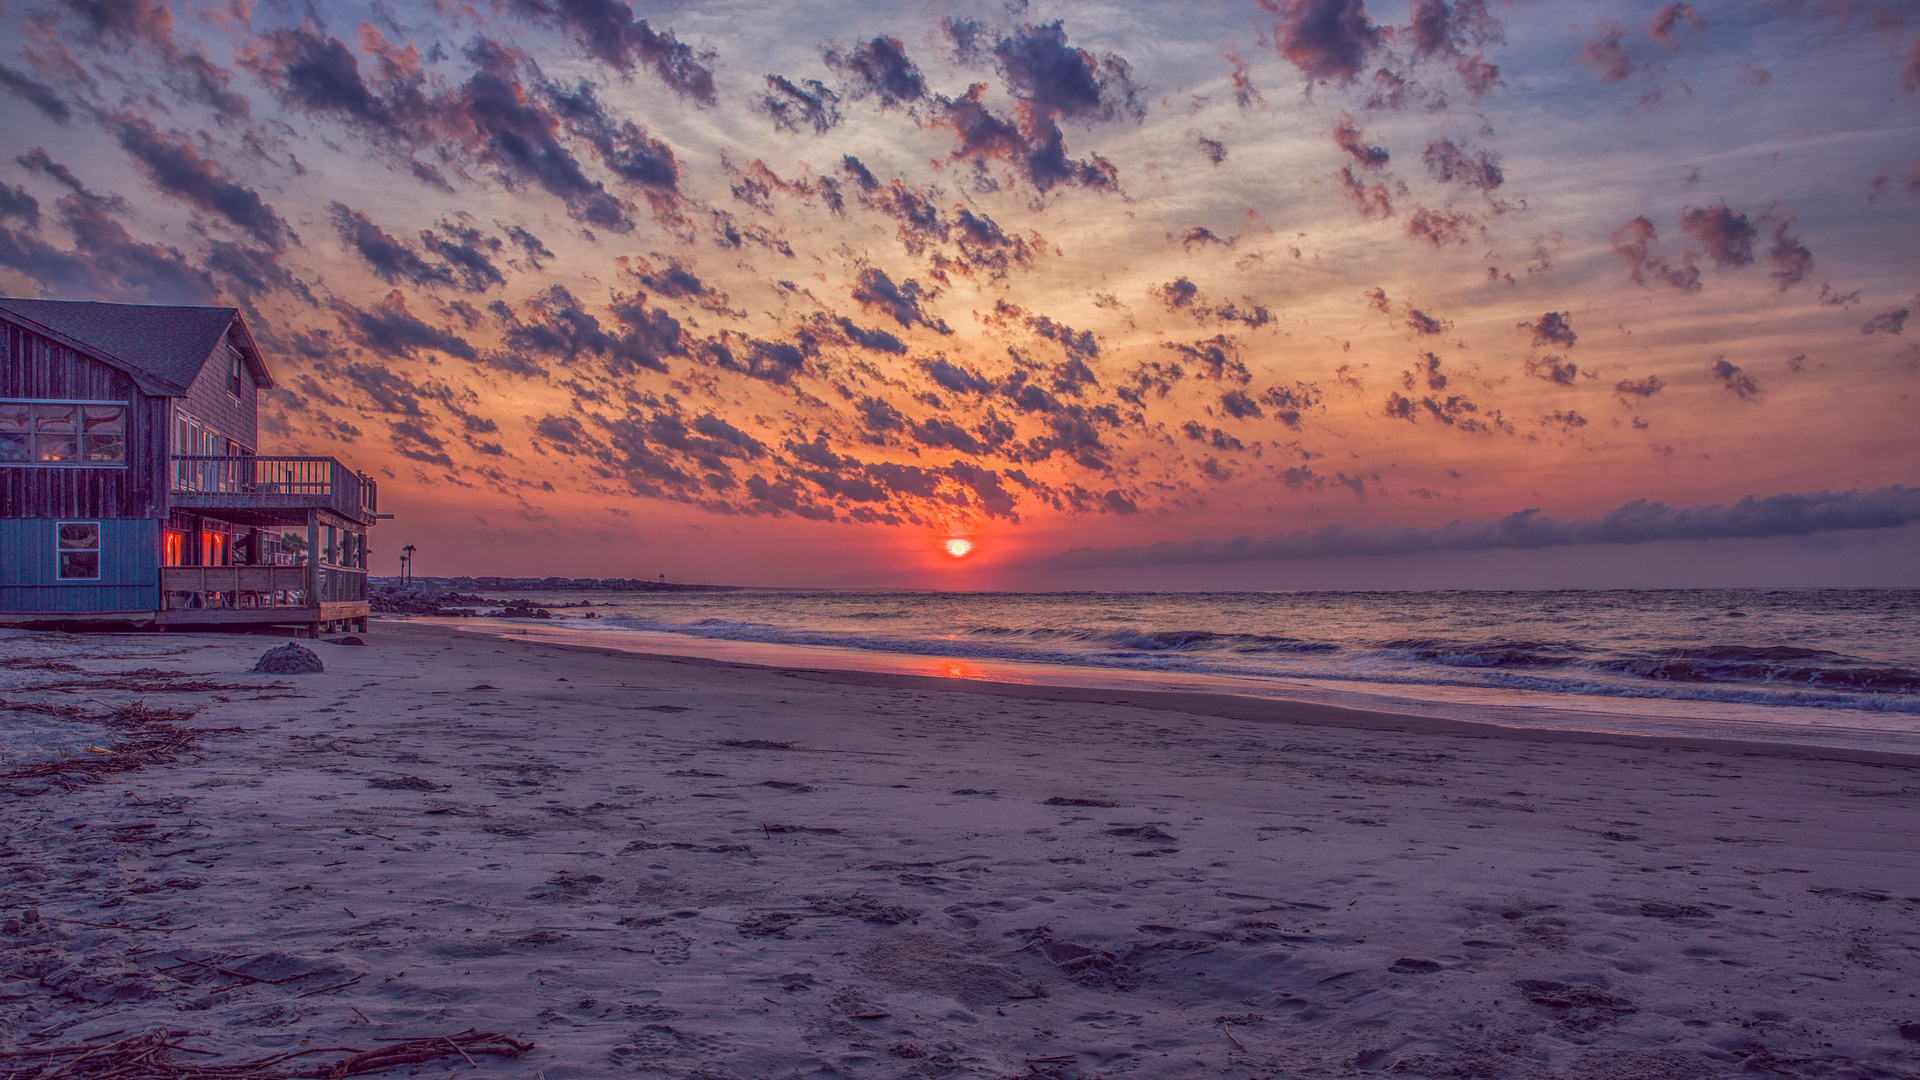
(168, 342)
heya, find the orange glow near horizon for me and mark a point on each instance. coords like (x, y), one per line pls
(959, 548)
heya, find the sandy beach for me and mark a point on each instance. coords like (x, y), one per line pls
(666, 866)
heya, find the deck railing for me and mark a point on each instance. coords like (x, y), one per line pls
(271, 483)
(263, 586)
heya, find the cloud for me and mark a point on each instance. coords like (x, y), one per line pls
(624, 147)
(1440, 228)
(1792, 261)
(177, 169)
(809, 104)
(1050, 81)
(879, 68)
(1348, 136)
(1328, 40)
(1726, 236)
(1213, 150)
(608, 32)
(558, 327)
(1730, 375)
(1889, 321)
(1605, 56)
(392, 330)
(1643, 388)
(1634, 241)
(1439, 30)
(35, 93)
(874, 290)
(105, 262)
(1450, 164)
(1638, 522)
(1665, 21)
(391, 259)
(1551, 329)
(1554, 369)
(1422, 323)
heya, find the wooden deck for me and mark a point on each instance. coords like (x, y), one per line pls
(320, 618)
(261, 490)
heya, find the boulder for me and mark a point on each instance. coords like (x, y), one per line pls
(289, 659)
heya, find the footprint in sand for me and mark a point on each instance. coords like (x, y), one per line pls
(672, 948)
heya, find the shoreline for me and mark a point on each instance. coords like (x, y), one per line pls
(683, 868)
(1274, 706)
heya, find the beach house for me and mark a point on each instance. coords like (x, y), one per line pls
(132, 489)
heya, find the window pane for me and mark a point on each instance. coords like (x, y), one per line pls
(80, 564)
(104, 419)
(16, 446)
(56, 447)
(55, 417)
(13, 416)
(101, 448)
(79, 535)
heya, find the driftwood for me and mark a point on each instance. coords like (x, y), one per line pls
(153, 1056)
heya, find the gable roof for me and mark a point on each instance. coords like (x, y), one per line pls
(167, 343)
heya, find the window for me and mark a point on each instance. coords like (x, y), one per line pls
(79, 550)
(63, 433)
(237, 373)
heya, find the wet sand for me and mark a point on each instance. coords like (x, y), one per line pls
(685, 868)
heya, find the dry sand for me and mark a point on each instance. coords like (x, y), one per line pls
(682, 868)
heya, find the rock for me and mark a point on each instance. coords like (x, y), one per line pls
(348, 640)
(289, 659)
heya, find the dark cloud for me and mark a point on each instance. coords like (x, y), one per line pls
(1637, 522)
(1348, 136)
(1725, 235)
(1668, 19)
(35, 93)
(1551, 329)
(1605, 56)
(252, 272)
(957, 378)
(1328, 40)
(177, 169)
(1245, 94)
(879, 68)
(105, 261)
(1216, 358)
(1554, 369)
(874, 290)
(195, 78)
(392, 260)
(1478, 76)
(768, 361)
(875, 340)
(1451, 164)
(531, 247)
(1889, 321)
(1453, 410)
(1642, 388)
(1792, 261)
(1240, 405)
(1634, 241)
(808, 104)
(624, 147)
(558, 327)
(1289, 402)
(677, 282)
(1440, 228)
(1730, 375)
(392, 330)
(1177, 294)
(127, 21)
(318, 74)
(1426, 369)
(1050, 81)
(1213, 150)
(468, 252)
(1440, 30)
(1422, 323)
(17, 202)
(984, 245)
(608, 32)
(1371, 202)
(1200, 236)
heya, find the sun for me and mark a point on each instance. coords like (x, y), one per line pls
(959, 548)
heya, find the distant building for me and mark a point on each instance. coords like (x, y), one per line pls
(131, 489)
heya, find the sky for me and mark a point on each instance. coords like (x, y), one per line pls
(1263, 294)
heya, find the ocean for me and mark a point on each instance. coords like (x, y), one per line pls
(1839, 667)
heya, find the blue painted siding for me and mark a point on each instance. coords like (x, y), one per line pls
(129, 567)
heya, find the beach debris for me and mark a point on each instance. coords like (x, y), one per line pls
(151, 1056)
(289, 659)
(793, 786)
(1409, 965)
(143, 736)
(348, 640)
(406, 783)
(755, 744)
(1061, 800)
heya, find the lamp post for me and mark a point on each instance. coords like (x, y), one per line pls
(406, 566)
